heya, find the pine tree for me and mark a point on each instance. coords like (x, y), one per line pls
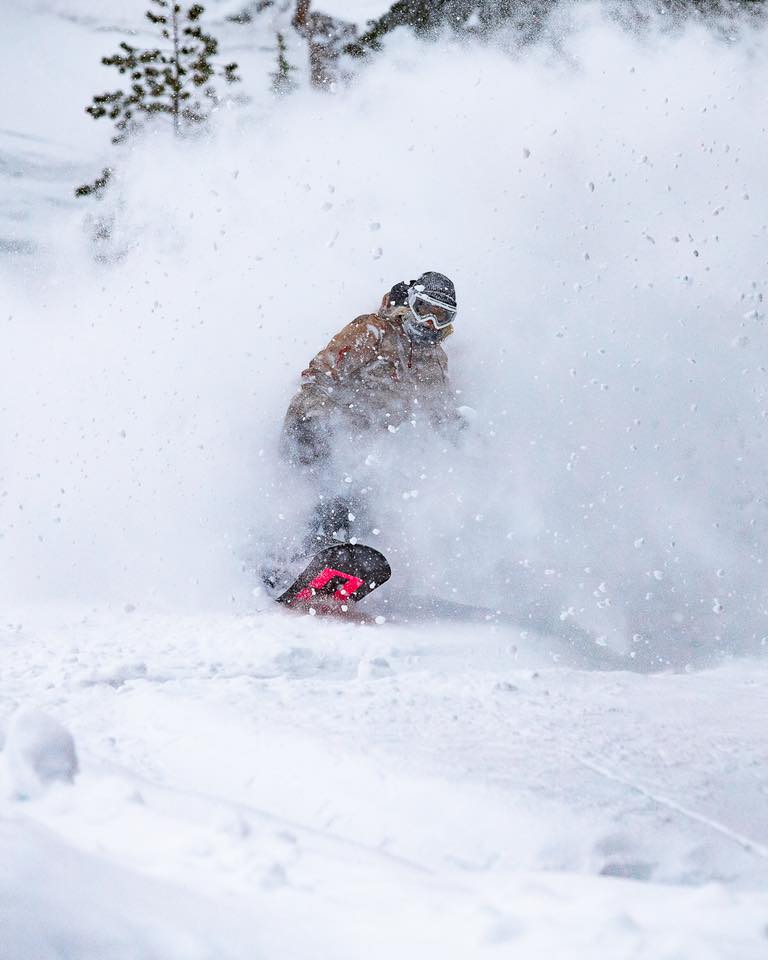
(282, 81)
(529, 18)
(174, 81)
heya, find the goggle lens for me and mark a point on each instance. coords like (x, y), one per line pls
(425, 310)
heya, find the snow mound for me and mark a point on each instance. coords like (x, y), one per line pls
(38, 751)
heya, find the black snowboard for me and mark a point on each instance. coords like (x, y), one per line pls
(338, 574)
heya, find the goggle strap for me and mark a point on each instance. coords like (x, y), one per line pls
(418, 295)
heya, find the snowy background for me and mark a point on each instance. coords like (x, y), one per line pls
(188, 773)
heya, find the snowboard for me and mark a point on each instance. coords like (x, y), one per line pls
(337, 575)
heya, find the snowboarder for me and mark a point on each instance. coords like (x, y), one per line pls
(381, 370)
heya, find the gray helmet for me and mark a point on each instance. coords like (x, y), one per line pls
(438, 287)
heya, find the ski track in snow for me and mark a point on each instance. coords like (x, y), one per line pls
(751, 846)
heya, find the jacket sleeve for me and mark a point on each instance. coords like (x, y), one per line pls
(322, 387)
(338, 365)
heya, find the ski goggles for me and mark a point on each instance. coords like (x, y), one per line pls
(426, 308)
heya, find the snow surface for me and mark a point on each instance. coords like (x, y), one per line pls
(464, 799)
(38, 751)
(575, 767)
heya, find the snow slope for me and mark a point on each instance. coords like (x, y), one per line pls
(581, 771)
(289, 787)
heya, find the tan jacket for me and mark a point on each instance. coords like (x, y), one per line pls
(371, 374)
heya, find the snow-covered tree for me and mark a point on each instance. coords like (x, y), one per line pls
(462, 16)
(282, 80)
(529, 18)
(173, 81)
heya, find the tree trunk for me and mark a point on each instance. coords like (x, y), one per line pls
(300, 17)
(177, 69)
(304, 25)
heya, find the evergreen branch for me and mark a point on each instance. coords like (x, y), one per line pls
(98, 186)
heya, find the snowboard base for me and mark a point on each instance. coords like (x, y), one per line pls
(337, 577)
